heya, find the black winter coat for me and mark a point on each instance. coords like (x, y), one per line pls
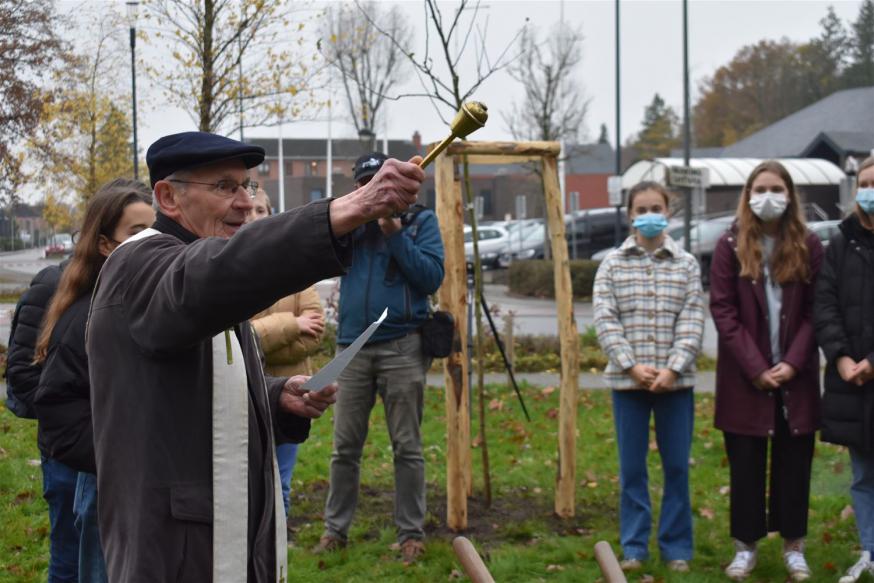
(63, 400)
(22, 376)
(158, 304)
(844, 319)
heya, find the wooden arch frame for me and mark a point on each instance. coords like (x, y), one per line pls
(453, 298)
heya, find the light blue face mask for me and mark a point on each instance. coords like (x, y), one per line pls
(650, 225)
(865, 198)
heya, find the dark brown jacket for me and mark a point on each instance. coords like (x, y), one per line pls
(159, 302)
(740, 311)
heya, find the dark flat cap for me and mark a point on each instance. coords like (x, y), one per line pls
(368, 165)
(193, 149)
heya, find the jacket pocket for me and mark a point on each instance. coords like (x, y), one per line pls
(192, 502)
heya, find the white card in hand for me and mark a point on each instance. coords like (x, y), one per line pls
(331, 371)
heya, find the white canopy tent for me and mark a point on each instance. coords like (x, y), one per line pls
(733, 172)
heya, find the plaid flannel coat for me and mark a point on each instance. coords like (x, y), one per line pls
(649, 310)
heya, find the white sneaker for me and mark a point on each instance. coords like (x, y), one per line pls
(854, 573)
(743, 563)
(796, 565)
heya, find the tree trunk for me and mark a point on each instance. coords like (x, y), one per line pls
(480, 364)
(207, 83)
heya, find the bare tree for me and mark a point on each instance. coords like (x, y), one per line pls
(370, 63)
(440, 77)
(226, 52)
(554, 106)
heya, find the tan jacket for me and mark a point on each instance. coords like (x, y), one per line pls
(286, 350)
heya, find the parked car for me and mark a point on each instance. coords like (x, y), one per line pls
(492, 242)
(525, 243)
(705, 236)
(60, 245)
(593, 230)
(825, 230)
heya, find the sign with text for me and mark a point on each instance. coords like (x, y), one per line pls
(614, 190)
(688, 177)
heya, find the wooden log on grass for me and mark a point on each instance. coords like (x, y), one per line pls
(470, 561)
(608, 564)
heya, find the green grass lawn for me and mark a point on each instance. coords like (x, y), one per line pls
(520, 538)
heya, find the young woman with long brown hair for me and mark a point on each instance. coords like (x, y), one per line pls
(845, 331)
(117, 211)
(767, 375)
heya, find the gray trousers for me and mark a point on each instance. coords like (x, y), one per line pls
(396, 371)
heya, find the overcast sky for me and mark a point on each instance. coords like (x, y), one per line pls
(651, 60)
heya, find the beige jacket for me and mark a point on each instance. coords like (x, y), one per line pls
(286, 350)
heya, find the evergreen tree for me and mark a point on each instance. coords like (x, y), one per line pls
(603, 137)
(860, 73)
(659, 133)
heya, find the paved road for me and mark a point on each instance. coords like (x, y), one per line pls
(532, 315)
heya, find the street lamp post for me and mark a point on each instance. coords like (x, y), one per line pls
(132, 13)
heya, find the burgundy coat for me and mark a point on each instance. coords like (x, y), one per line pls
(740, 311)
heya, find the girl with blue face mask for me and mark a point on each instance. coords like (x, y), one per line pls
(649, 315)
(844, 320)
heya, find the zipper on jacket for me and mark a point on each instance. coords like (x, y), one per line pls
(367, 289)
(408, 315)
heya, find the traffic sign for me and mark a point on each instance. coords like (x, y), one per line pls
(688, 177)
(614, 190)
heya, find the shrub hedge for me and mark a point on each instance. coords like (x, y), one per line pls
(535, 278)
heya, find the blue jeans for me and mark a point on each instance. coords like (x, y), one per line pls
(58, 489)
(286, 458)
(92, 568)
(862, 491)
(674, 418)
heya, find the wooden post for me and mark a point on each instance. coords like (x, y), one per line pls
(607, 562)
(509, 344)
(470, 561)
(565, 481)
(452, 297)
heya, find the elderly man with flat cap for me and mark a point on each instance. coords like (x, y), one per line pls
(184, 419)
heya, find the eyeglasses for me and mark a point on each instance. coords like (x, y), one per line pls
(224, 188)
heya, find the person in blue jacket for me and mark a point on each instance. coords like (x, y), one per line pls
(397, 264)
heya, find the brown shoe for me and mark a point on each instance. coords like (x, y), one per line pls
(328, 544)
(411, 550)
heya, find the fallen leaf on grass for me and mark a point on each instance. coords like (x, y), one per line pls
(547, 391)
(847, 512)
(455, 574)
(552, 413)
(826, 537)
(707, 513)
(829, 566)
(647, 579)
(322, 565)
(838, 468)
(34, 463)
(496, 405)
(554, 568)
(653, 446)
(725, 490)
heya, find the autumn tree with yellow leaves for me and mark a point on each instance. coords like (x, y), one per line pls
(83, 139)
(232, 56)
